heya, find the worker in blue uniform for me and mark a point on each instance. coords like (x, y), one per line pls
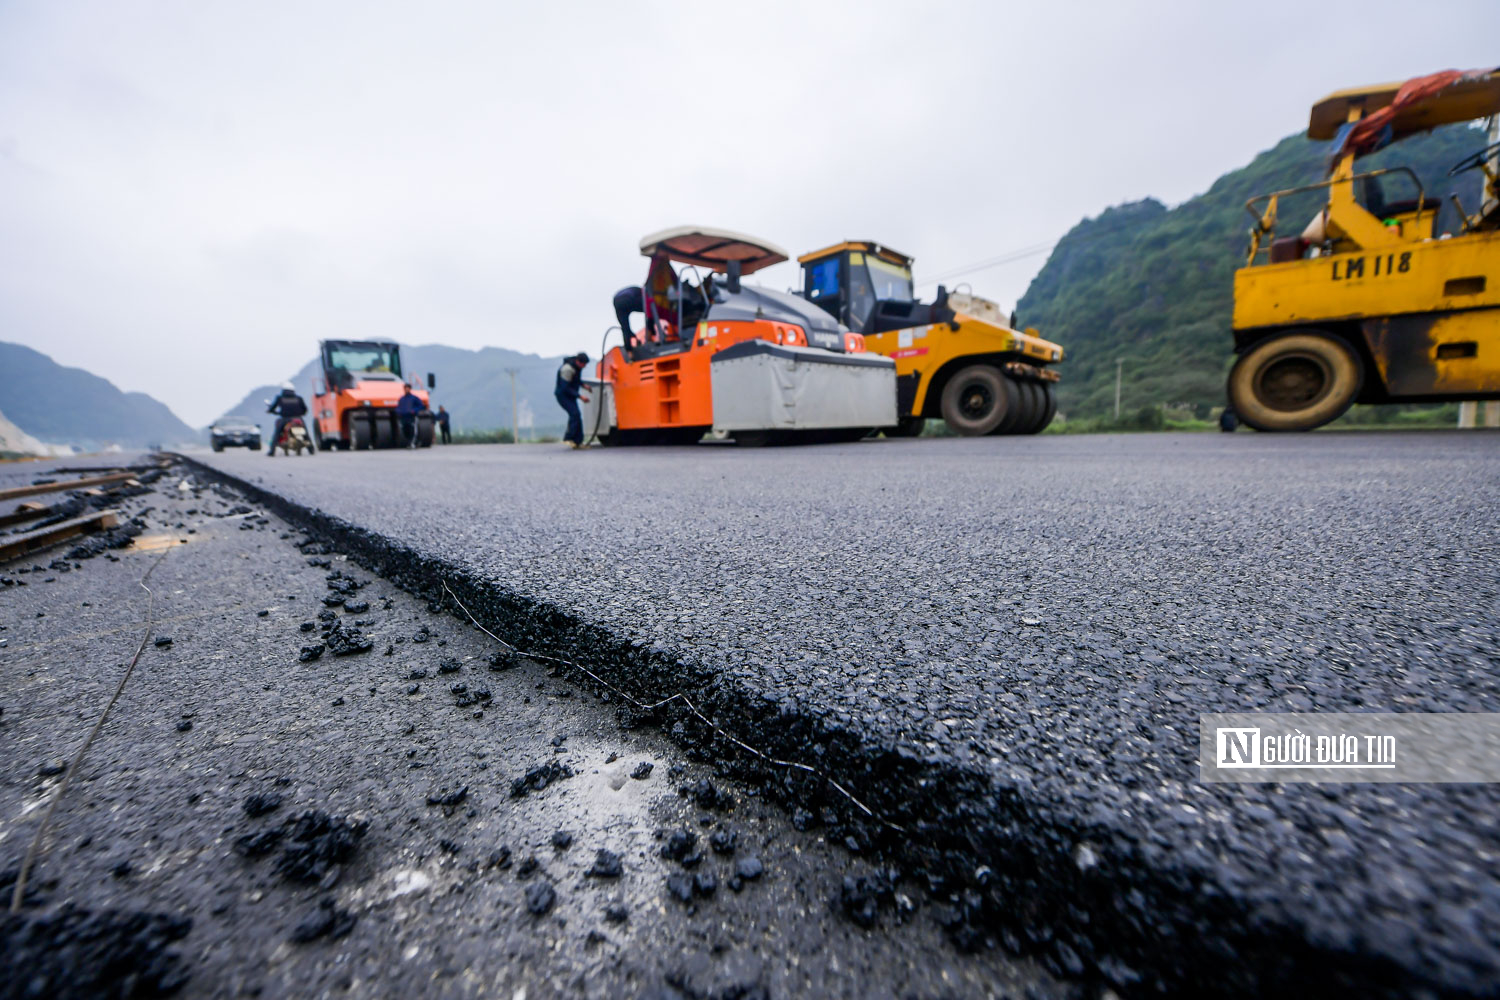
(569, 386)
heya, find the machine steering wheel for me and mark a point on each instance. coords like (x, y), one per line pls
(1474, 160)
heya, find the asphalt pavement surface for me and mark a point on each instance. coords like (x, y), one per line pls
(1000, 648)
(314, 784)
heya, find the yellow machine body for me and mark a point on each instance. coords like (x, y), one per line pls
(1371, 304)
(868, 287)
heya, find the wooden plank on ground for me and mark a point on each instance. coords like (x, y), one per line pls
(17, 546)
(28, 511)
(69, 484)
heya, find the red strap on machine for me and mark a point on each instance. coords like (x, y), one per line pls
(1367, 134)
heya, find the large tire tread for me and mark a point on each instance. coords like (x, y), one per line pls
(977, 383)
(1267, 382)
(360, 434)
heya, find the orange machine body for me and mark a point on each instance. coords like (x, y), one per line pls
(354, 403)
(778, 368)
(334, 407)
(668, 391)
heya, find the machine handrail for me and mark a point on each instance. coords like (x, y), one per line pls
(681, 276)
(1262, 227)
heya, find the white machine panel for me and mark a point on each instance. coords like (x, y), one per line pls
(758, 385)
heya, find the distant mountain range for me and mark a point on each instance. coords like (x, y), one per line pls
(69, 406)
(16, 442)
(473, 385)
(1155, 285)
(1143, 282)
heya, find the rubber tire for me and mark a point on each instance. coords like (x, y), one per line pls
(1038, 409)
(1049, 406)
(1034, 408)
(991, 379)
(1014, 418)
(219, 447)
(907, 427)
(1027, 407)
(258, 445)
(359, 433)
(385, 434)
(425, 431)
(1342, 371)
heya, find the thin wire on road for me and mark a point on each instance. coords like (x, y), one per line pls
(687, 702)
(62, 788)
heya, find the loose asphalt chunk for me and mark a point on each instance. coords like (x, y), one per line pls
(327, 921)
(73, 952)
(312, 845)
(261, 803)
(538, 778)
(606, 865)
(540, 898)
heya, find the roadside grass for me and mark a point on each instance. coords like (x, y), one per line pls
(484, 437)
(1152, 419)
(500, 436)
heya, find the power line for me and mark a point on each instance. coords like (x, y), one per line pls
(1096, 233)
(983, 265)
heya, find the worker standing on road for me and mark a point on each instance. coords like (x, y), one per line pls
(569, 386)
(407, 408)
(288, 407)
(442, 422)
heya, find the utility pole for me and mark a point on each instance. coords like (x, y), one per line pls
(515, 421)
(1119, 369)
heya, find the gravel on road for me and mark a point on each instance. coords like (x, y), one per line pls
(250, 823)
(1003, 646)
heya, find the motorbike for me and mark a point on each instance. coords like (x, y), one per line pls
(294, 438)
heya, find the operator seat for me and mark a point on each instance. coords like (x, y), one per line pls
(1373, 197)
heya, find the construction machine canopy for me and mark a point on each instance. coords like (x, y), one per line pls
(1417, 105)
(712, 248)
(867, 246)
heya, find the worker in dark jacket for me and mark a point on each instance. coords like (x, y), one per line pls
(628, 300)
(288, 407)
(569, 386)
(407, 408)
(442, 422)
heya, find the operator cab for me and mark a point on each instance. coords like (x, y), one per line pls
(868, 288)
(1385, 206)
(346, 362)
(676, 302)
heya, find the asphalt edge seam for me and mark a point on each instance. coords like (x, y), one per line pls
(1014, 873)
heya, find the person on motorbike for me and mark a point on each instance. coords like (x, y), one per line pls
(288, 407)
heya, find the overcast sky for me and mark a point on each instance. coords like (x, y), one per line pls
(191, 194)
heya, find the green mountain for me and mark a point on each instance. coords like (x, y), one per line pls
(1154, 285)
(70, 406)
(473, 385)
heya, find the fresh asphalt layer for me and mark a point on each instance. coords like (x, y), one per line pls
(1001, 647)
(256, 821)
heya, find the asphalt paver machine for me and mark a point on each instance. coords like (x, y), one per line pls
(718, 356)
(957, 357)
(1368, 303)
(354, 403)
